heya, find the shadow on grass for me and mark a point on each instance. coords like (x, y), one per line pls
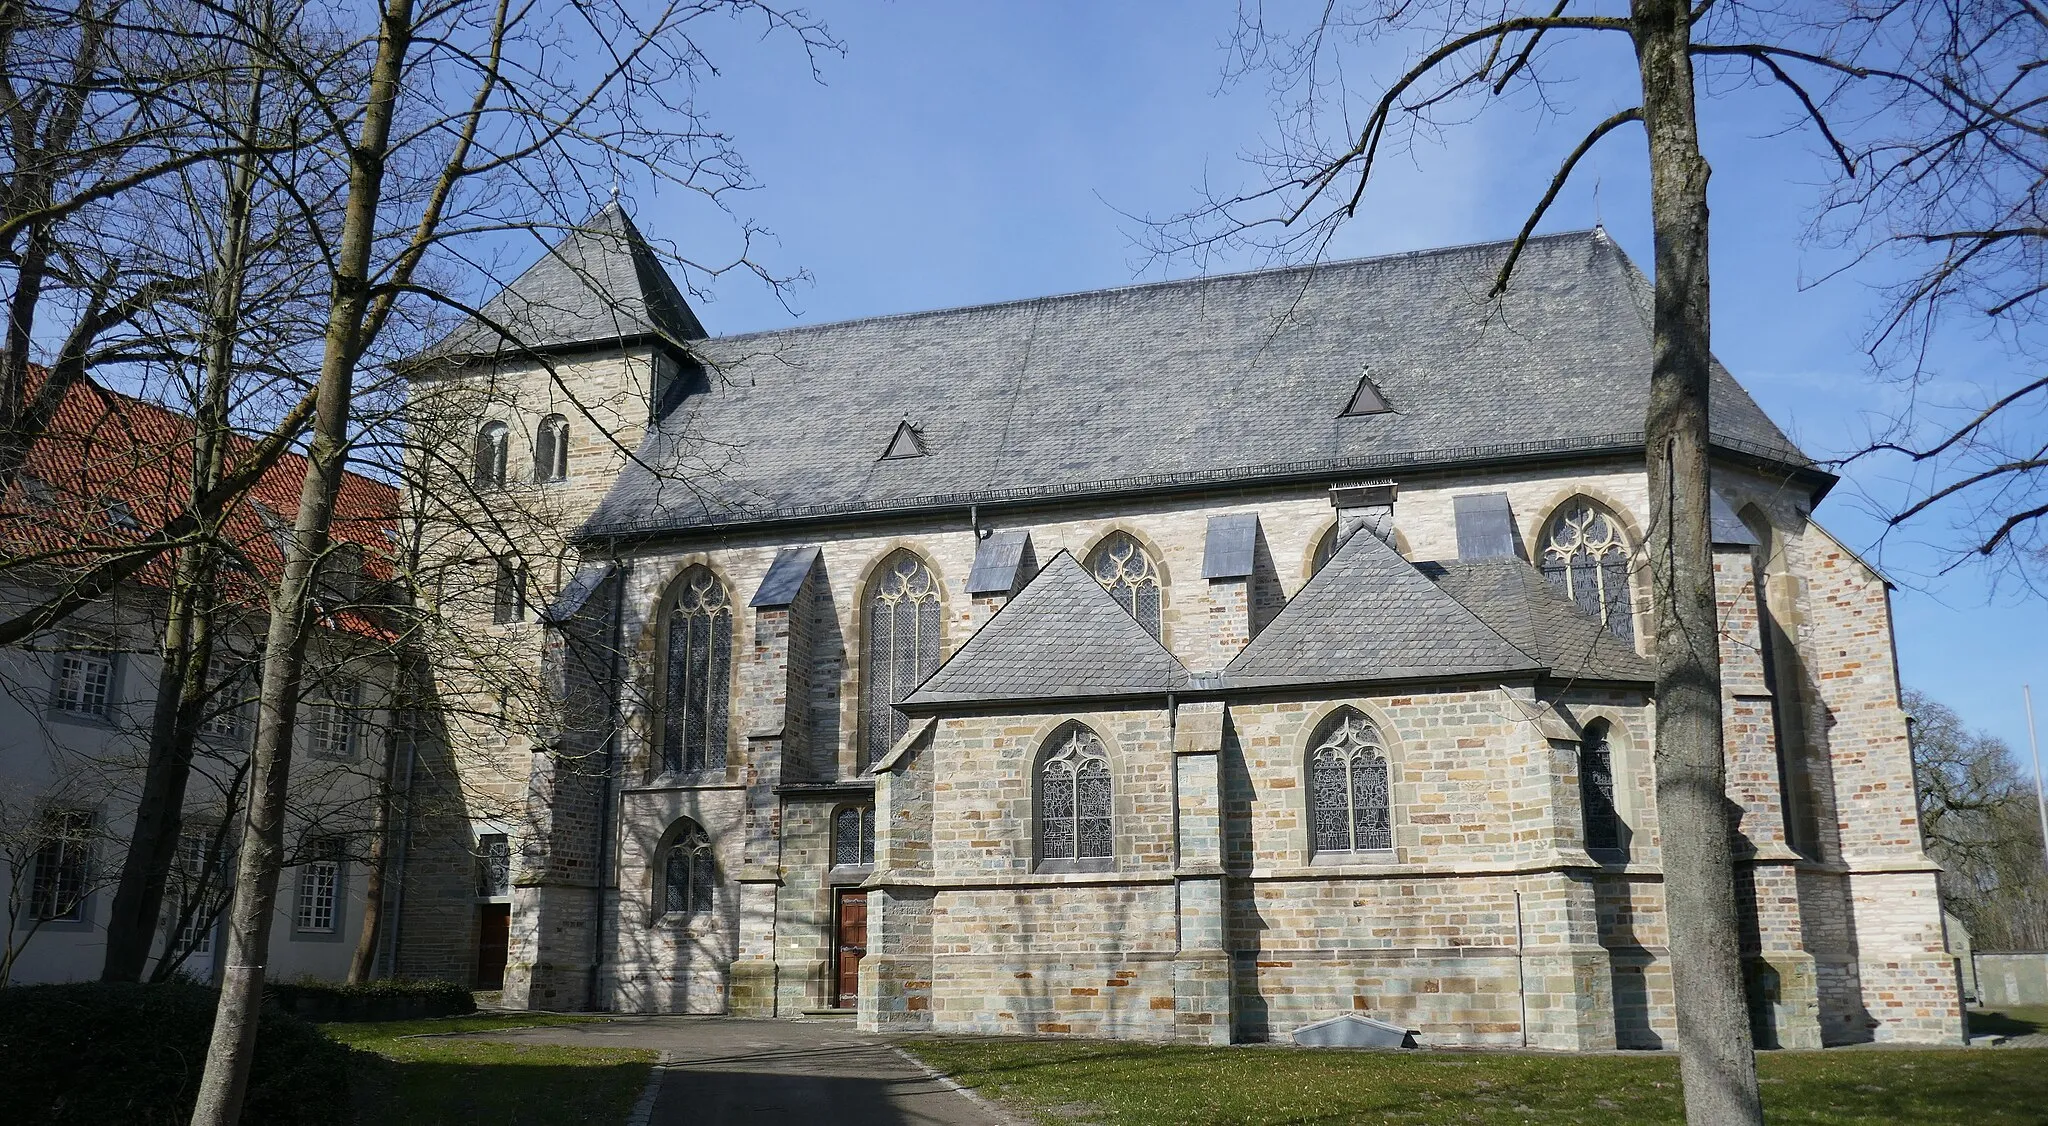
(1141, 1086)
(461, 1082)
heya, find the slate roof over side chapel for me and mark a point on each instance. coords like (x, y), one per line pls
(1061, 638)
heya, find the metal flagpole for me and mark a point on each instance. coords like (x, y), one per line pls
(2040, 799)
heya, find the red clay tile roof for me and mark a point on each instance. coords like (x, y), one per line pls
(114, 468)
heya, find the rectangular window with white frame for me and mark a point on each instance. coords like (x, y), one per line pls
(224, 708)
(331, 725)
(319, 907)
(63, 866)
(85, 684)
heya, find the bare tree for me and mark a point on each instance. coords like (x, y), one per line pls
(1464, 56)
(522, 142)
(1978, 815)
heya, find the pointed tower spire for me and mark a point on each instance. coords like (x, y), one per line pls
(600, 283)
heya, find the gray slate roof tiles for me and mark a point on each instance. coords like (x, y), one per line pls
(1370, 616)
(1061, 637)
(999, 561)
(1513, 598)
(598, 283)
(1217, 379)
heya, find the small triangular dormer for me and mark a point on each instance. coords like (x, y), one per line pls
(1366, 399)
(908, 441)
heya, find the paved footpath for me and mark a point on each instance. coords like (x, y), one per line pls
(719, 1070)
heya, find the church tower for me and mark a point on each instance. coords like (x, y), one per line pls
(521, 419)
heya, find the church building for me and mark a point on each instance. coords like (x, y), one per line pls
(1187, 661)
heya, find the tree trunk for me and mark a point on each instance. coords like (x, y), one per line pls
(235, 1020)
(363, 965)
(183, 691)
(1717, 1061)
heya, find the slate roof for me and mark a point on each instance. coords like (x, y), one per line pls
(1370, 616)
(1515, 601)
(1230, 378)
(1061, 637)
(600, 283)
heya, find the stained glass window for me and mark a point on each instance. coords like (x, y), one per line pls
(1120, 564)
(853, 836)
(687, 874)
(1596, 789)
(1348, 786)
(694, 718)
(1074, 793)
(900, 648)
(1585, 557)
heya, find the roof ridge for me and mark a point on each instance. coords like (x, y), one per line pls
(1169, 283)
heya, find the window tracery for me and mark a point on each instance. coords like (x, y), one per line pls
(1586, 558)
(1348, 785)
(1130, 576)
(1076, 819)
(900, 648)
(698, 702)
(687, 874)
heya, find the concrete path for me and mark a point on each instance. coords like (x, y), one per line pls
(767, 1072)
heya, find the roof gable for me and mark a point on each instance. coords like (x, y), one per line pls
(1237, 378)
(1061, 637)
(1513, 598)
(1370, 616)
(600, 282)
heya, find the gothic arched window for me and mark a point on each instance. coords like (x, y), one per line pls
(551, 449)
(853, 836)
(687, 874)
(1596, 790)
(899, 649)
(697, 701)
(1120, 564)
(1585, 557)
(1348, 782)
(491, 441)
(1326, 549)
(1074, 807)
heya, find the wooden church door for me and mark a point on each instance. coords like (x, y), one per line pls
(852, 943)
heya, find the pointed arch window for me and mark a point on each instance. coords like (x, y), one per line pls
(1130, 576)
(1326, 549)
(853, 836)
(696, 706)
(1596, 790)
(1348, 785)
(1075, 808)
(1586, 558)
(551, 450)
(900, 648)
(491, 443)
(687, 874)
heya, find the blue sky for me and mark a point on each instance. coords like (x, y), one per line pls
(963, 153)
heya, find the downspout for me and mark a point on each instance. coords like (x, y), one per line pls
(613, 718)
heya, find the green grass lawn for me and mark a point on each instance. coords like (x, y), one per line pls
(1077, 1082)
(416, 1076)
(2012, 1020)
